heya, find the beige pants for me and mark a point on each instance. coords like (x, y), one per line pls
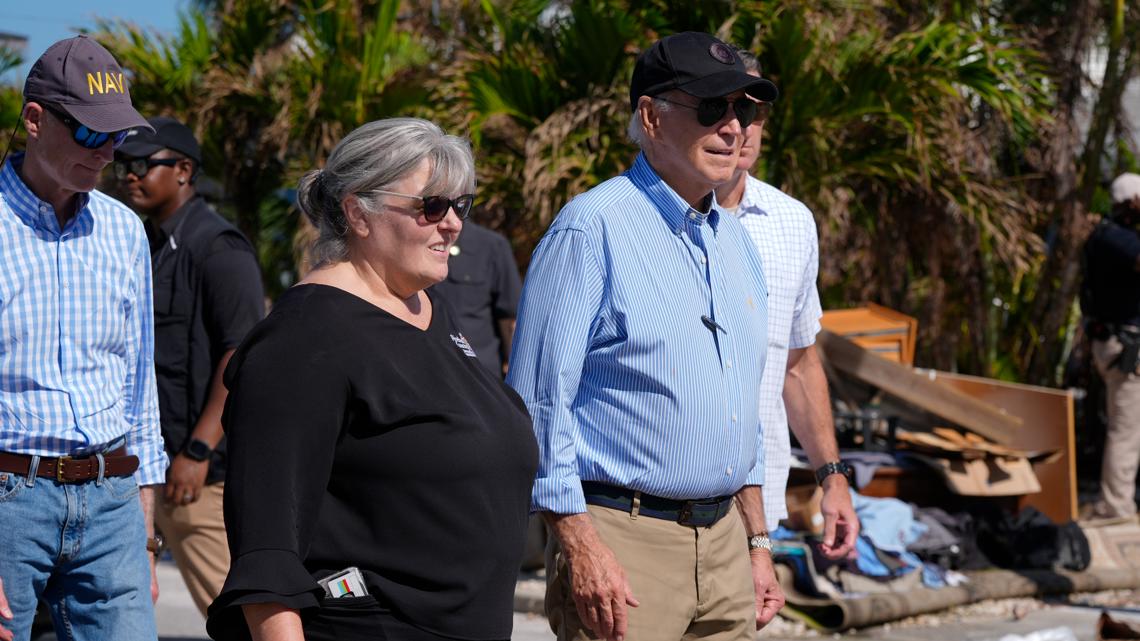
(693, 583)
(196, 534)
(1122, 441)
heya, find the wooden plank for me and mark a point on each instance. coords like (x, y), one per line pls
(903, 382)
(1050, 412)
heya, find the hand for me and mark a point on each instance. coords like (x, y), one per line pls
(185, 480)
(601, 591)
(840, 525)
(153, 576)
(5, 612)
(769, 595)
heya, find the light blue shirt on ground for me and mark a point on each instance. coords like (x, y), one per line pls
(76, 329)
(625, 382)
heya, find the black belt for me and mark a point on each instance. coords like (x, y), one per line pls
(697, 512)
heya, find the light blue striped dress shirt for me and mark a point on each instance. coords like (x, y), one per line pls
(76, 329)
(625, 383)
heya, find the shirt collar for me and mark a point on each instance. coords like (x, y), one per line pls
(27, 205)
(753, 200)
(668, 202)
(171, 227)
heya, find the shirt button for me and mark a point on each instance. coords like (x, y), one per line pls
(703, 260)
(734, 418)
(729, 364)
(692, 215)
(728, 472)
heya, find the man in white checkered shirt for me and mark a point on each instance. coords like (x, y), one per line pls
(796, 394)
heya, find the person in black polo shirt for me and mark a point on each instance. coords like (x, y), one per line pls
(483, 287)
(207, 295)
(1110, 300)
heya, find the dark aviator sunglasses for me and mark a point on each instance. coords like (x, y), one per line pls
(711, 110)
(435, 207)
(84, 136)
(140, 166)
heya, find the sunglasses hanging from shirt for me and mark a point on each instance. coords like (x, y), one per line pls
(711, 110)
(85, 136)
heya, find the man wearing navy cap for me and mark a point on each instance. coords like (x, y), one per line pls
(639, 352)
(207, 295)
(80, 446)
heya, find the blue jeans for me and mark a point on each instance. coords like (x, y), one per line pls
(82, 548)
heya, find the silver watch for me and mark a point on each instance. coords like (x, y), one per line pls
(759, 542)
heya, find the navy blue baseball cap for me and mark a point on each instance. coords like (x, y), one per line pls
(698, 64)
(164, 133)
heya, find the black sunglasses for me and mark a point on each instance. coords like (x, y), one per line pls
(140, 166)
(711, 110)
(85, 136)
(435, 207)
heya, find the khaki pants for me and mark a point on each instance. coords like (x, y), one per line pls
(692, 583)
(1122, 441)
(196, 534)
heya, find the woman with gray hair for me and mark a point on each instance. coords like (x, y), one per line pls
(379, 478)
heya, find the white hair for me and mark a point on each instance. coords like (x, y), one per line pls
(635, 131)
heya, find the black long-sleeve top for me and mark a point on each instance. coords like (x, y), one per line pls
(356, 439)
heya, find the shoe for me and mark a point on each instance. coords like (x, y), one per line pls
(1100, 515)
(1109, 629)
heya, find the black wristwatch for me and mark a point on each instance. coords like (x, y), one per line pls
(835, 467)
(197, 450)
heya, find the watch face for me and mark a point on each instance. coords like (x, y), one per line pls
(197, 450)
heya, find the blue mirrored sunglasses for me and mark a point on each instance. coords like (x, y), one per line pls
(85, 137)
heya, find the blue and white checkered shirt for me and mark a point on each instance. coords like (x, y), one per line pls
(624, 381)
(786, 238)
(76, 329)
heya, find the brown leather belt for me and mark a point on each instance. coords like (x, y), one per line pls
(66, 469)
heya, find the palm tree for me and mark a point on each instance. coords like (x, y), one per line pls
(269, 87)
(11, 97)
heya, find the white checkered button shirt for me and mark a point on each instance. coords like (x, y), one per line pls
(784, 232)
(76, 329)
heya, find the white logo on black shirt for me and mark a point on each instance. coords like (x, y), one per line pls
(461, 342)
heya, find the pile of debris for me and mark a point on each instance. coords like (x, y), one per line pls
(966, 489)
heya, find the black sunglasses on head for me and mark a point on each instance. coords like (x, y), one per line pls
(84, 136)
(140, 166)
(435, 207)
(711, 110)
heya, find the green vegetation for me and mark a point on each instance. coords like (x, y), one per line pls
(936, 142)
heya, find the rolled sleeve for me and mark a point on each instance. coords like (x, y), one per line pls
(560, 306)
(808, 311)
(140, 391)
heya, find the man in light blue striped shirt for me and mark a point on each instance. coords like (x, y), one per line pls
(639, 352)
(79, 431)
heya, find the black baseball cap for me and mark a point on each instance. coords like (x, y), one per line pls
(698, 64)
(83, 79)
(167, 133)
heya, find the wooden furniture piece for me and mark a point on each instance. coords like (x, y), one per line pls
(877, 329)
